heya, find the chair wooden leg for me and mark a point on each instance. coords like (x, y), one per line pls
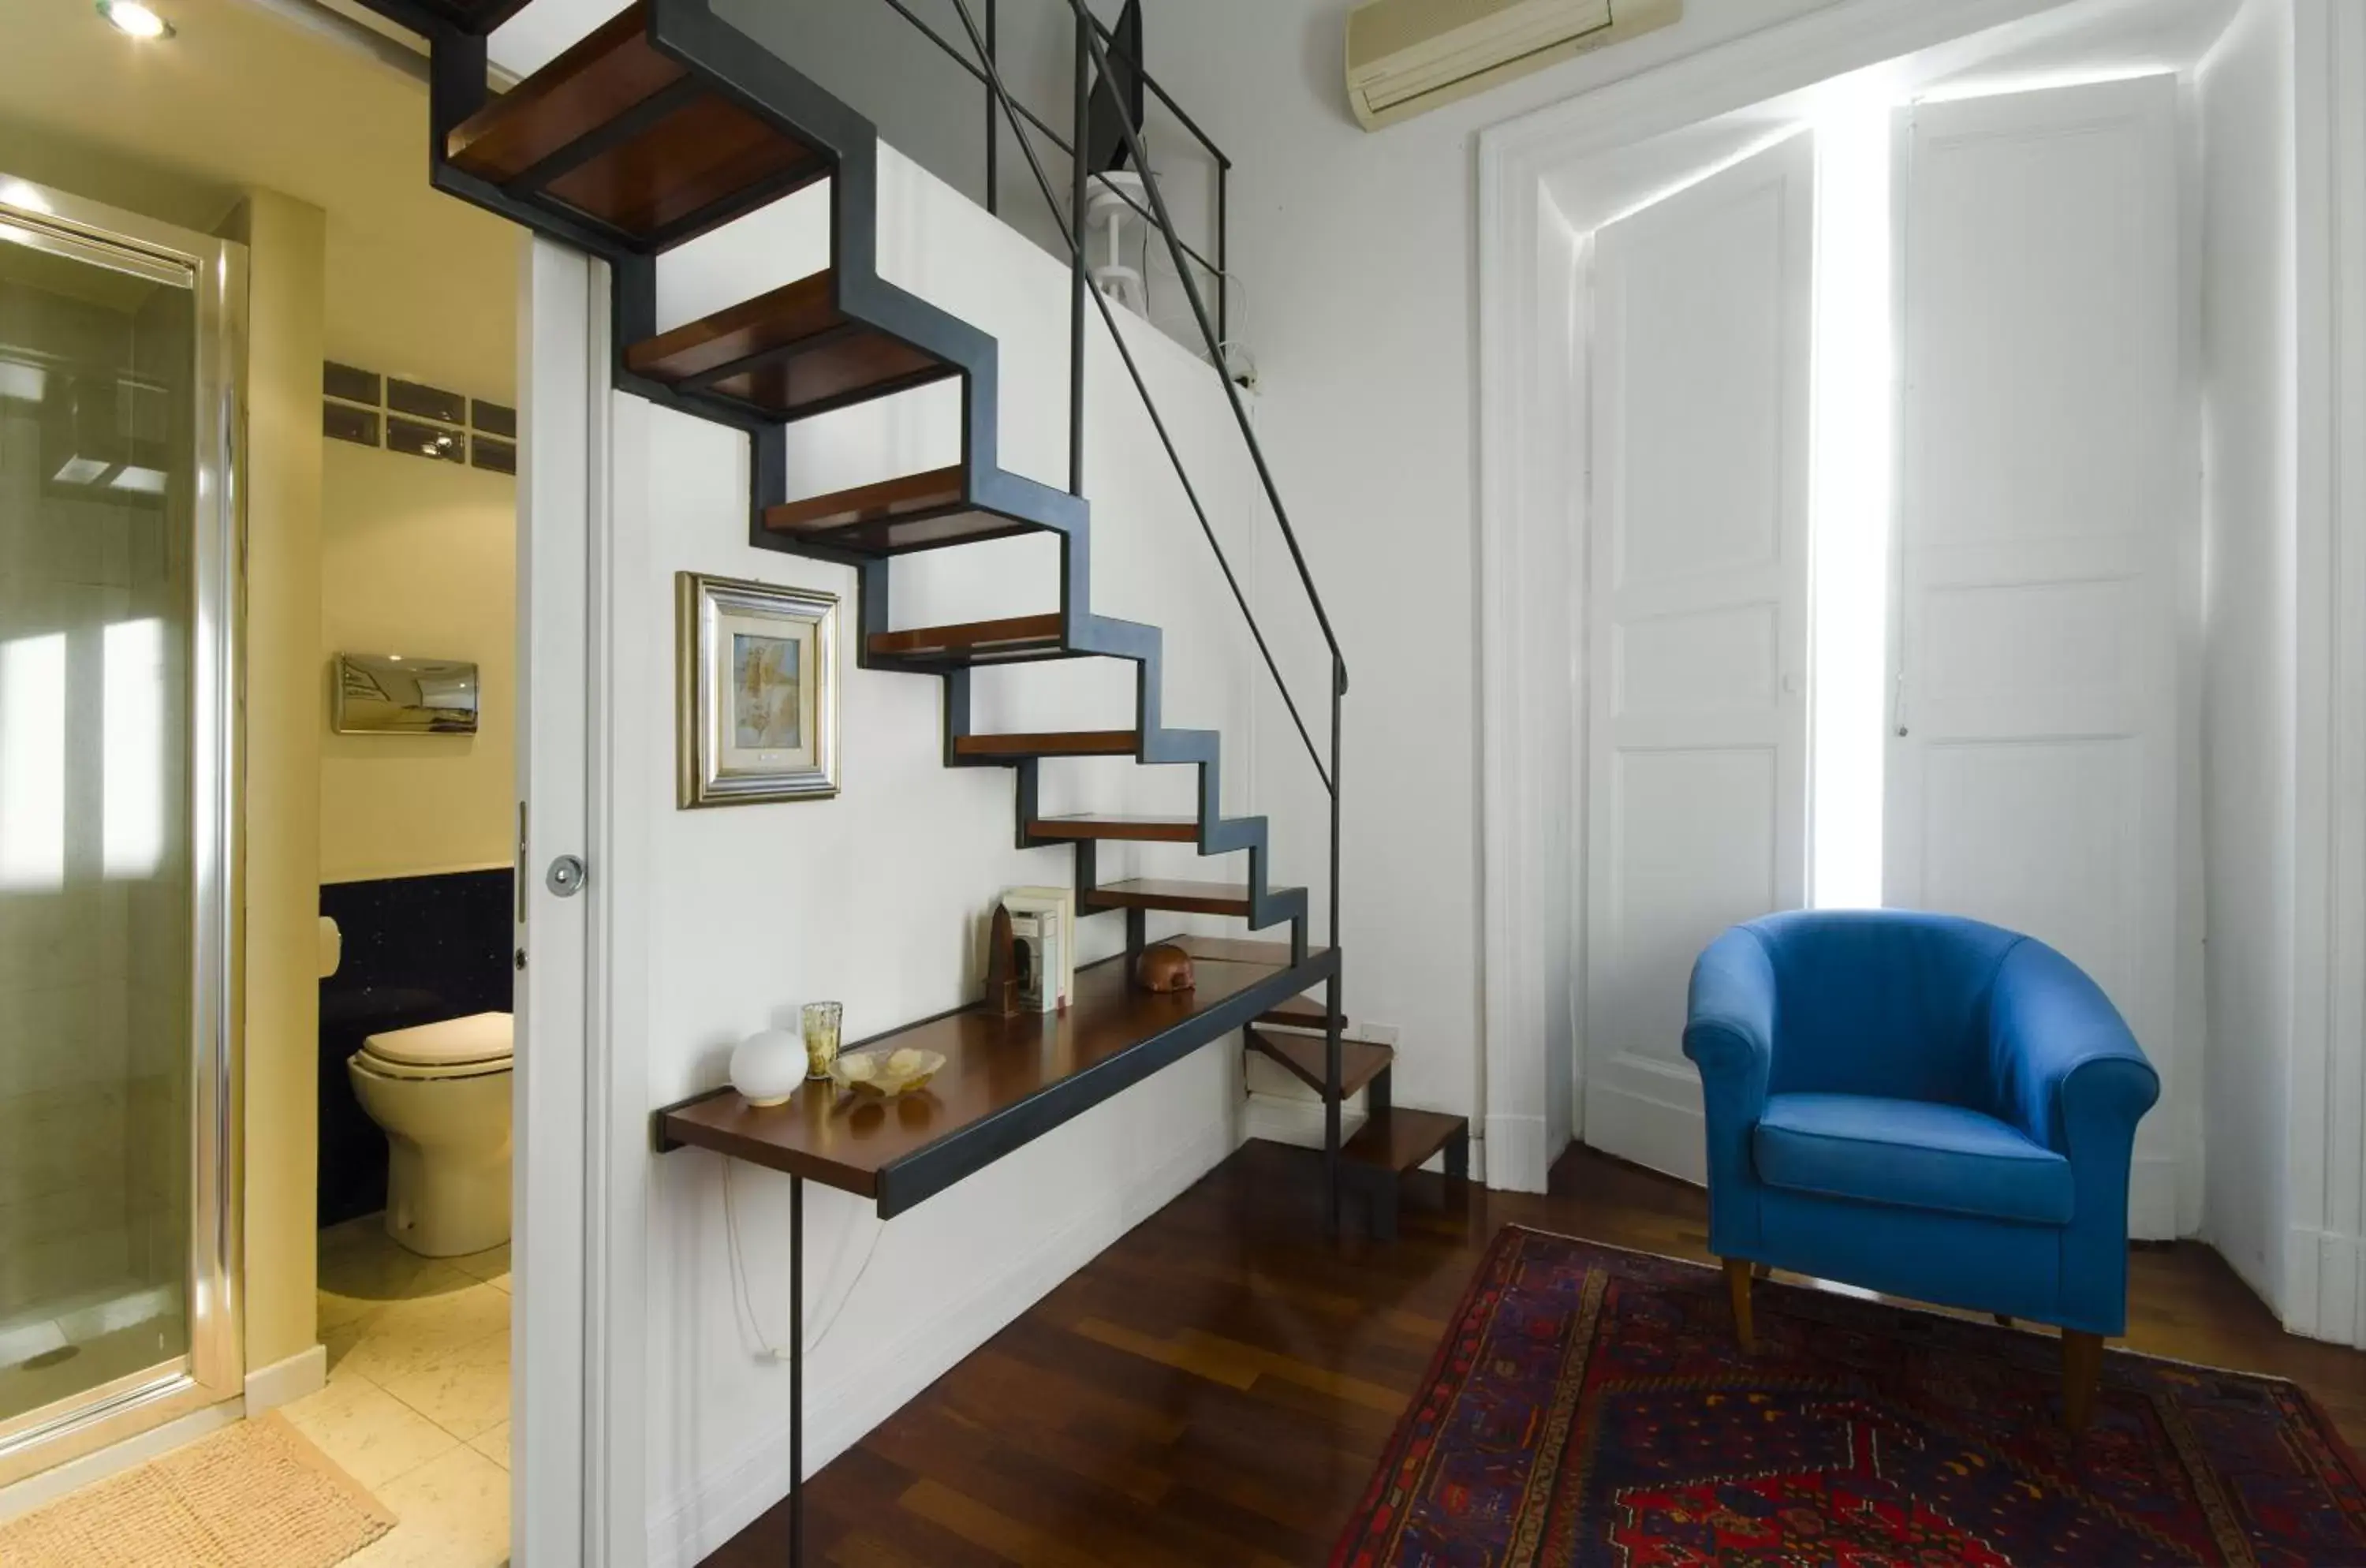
(2082, 1370)
(1737, 1274)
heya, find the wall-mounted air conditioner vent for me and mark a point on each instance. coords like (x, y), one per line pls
(1405, 57)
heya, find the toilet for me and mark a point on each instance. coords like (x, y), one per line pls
(442, 1093)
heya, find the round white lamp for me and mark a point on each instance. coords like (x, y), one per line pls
(767, 1067)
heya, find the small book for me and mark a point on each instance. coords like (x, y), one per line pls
(1037, 900)
(1038, 944)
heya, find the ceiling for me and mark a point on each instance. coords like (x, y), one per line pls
(418, 285)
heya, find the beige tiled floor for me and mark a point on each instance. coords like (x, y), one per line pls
(417, 1408)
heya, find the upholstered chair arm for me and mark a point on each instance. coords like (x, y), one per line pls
(2070, 1073)
(1730, 1035)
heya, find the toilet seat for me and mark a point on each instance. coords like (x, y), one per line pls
(475, 1046)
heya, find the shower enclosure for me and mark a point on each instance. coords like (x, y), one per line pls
(119, 346)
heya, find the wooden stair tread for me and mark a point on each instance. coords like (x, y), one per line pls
(927, 531)
(1299, 1012)
(907, 495)
(1402, 1140)
(1360, 1061)
(1181, 897)
(1071, 743)
(791, 352)
(639, 179)
(1013, 633)
(1145, 830)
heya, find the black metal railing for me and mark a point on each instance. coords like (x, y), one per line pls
(1094, 42)
(981, 63)
(1091, 57)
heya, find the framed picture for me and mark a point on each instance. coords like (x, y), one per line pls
(756, 670)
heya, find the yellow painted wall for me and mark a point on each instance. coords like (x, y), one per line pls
(418, 558)
(286, 243)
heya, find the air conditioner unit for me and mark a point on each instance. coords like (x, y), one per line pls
(1407, 57)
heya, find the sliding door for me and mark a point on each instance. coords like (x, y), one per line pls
(2046, 476)
(1698, 727)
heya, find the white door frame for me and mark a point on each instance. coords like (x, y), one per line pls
(2324, 1284)
(578, 1115)
(1532, 546)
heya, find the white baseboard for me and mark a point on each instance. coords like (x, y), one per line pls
(1648, 1131)
(851, 1396)
(1289, 1118)
(1518, 1159)
(284, 1382)
(2325, 1281)
(2152, 1197)
(34, 1491)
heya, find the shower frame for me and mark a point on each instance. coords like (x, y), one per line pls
(211, 1371)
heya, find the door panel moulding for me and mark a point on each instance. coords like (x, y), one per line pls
(1531, 620)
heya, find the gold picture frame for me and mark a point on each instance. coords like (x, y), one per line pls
(756, 692)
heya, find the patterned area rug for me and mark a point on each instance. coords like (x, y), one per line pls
(1590, 1406)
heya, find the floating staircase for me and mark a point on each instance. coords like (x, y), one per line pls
(666, 123)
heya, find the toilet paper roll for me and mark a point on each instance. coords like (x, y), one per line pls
(333, 947)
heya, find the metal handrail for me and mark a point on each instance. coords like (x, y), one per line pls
(1216, 350)
(1157, 422)
(1089, 39)
(985, 52)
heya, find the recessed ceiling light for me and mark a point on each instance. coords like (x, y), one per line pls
(131, 16)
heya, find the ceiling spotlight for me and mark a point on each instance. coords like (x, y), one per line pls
(131, 16)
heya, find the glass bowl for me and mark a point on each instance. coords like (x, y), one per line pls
(885, 1075)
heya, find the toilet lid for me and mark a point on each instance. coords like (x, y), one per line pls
(455, 1043)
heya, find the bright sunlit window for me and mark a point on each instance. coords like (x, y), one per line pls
(33, 763)
(134, 798)
(1850, 500)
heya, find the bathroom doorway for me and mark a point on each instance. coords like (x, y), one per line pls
(400, 504)
(117, 336)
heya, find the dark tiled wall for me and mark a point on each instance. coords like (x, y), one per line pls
(417, 949)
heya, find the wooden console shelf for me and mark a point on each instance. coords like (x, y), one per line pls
(1005, 1081)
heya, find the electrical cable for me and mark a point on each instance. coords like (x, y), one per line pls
(744, 1298)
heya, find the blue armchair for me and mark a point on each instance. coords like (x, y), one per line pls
(1924, 1106)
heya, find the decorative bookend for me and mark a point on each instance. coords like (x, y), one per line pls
(1164, 967)
(1001, 967)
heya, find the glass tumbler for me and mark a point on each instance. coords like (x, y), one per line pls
(821, 1021)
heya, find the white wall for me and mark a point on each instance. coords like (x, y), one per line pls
(417, 558)
(2249, 341)
(874, 899)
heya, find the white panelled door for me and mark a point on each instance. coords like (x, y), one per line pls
(2045, 481)
(1697, 733)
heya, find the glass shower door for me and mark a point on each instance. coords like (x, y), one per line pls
(114, 1279)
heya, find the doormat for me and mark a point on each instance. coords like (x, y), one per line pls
(254, 1495)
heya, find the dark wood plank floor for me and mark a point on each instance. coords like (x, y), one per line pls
(1214, 1389)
